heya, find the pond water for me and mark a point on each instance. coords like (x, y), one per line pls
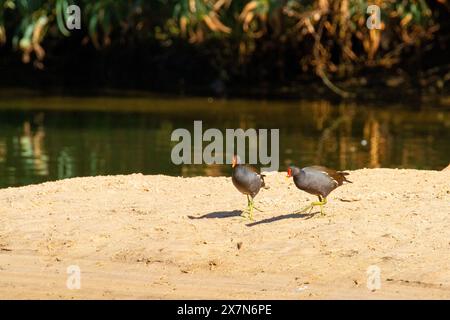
(48, 138)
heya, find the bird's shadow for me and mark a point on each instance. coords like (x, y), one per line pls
(237, 213)
(306, 216)
(219, 214)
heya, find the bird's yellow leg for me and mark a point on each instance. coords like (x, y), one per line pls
(310, 207)
(322, 201)
(246, 210)
(250, 214)
(250, 200)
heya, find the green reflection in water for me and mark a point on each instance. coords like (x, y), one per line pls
(50, 138)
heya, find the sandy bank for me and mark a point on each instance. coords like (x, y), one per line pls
(142, 236)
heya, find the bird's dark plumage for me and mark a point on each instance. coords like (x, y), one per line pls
(318, 180)
(247, 180)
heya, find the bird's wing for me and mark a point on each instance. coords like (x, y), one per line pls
(256, 171)
(251, 168)
(337, 176)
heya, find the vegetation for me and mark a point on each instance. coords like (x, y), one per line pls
(325, 38)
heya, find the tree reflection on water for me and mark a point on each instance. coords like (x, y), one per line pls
(82, 137)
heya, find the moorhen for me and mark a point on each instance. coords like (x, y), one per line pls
(248, 181)
(317, 180)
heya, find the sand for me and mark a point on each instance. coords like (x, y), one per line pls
(152, 237)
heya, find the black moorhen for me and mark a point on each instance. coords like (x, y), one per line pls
(317, 180)
(248, 181)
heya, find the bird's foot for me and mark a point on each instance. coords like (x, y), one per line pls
(247, 215)
(322, 213)
(257, 209)
(247, 212)
(310, 207)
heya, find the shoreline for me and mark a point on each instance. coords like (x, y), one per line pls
(371, 95)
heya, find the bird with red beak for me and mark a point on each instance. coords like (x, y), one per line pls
(317, 180)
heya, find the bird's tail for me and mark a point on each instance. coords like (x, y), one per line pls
(263, 183)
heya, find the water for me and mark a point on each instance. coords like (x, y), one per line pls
(50, 138)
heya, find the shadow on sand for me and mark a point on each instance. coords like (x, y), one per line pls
(219, 214)
(306, 216)
(237, 213)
